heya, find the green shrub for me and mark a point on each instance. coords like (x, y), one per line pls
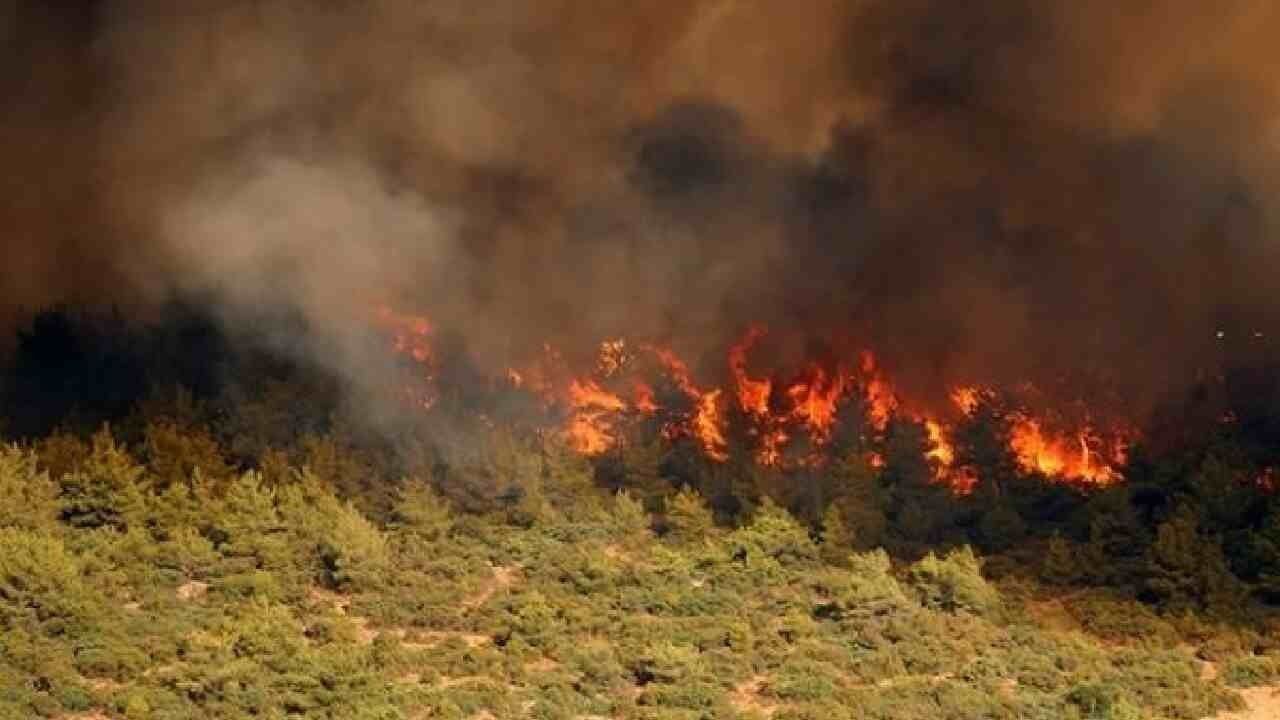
(105, 489)
(688, 518)
(953, 583)
(774, 534)
(1251, 671)
(422, 512)
(175, 454)
(354, 553)
(28, 497)
(628, 516)
(41, 584)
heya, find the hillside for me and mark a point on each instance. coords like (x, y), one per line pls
(126, 595)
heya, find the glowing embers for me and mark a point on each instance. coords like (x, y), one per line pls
(411, 337)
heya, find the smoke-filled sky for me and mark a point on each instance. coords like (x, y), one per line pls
(989, 190)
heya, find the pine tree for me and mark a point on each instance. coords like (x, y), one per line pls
(28, 497)
(629, 517)
(1114, 553)
(1061, 564)
(775, 533)
(837, 538)
(953, 583)
(106, 489)
(1185, 569)
(174, 454)
(1265, 549)
(1001, 527)
(688, 516)
(861, 502)
(422, 512)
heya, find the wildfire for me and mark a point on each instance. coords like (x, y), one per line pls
(1065, 456)
(411, 337)
(590, 429)
(966, 399)
(778, 406)
(707, 424)
(645, 401)
(881, 399)
(810, 400)
(815, 399)
(942, 453)
(753, 395)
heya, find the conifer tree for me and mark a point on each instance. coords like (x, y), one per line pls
(1185, 569)
(837, 538)
(688, 516)
(106, 490)
(28, 497)
(1061, 564)
(422, 512)
(1265, 549)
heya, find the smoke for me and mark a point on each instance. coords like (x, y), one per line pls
(985, 192)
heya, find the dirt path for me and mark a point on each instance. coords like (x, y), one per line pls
(503, 578)
(748, 697)
(1263, 703)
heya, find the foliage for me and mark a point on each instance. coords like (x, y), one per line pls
(247, 598)
(251, 549)
(688, 517)
(28, 497)
(1186, 569)
(105, 490)
(953, 583)
(1061, 564)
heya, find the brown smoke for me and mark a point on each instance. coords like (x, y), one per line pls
(988, 190)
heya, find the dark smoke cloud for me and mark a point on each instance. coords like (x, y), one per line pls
(983, 191)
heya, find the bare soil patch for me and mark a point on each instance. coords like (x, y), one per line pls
(1262, 703)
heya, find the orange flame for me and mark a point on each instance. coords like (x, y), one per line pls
(645, 401)
(815, 401)
(590, 429)
(707, 426)
(708, 422)
(942, 453)
(1066, 456)
(753, 395)
(966, 398)
(882, 401)
(808, 402)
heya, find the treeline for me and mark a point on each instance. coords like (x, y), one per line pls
(1195, 525)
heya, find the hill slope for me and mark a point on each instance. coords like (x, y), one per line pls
(247, 598)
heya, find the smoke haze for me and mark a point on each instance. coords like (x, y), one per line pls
(989, 191)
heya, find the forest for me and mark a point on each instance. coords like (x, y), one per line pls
(190, 527)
